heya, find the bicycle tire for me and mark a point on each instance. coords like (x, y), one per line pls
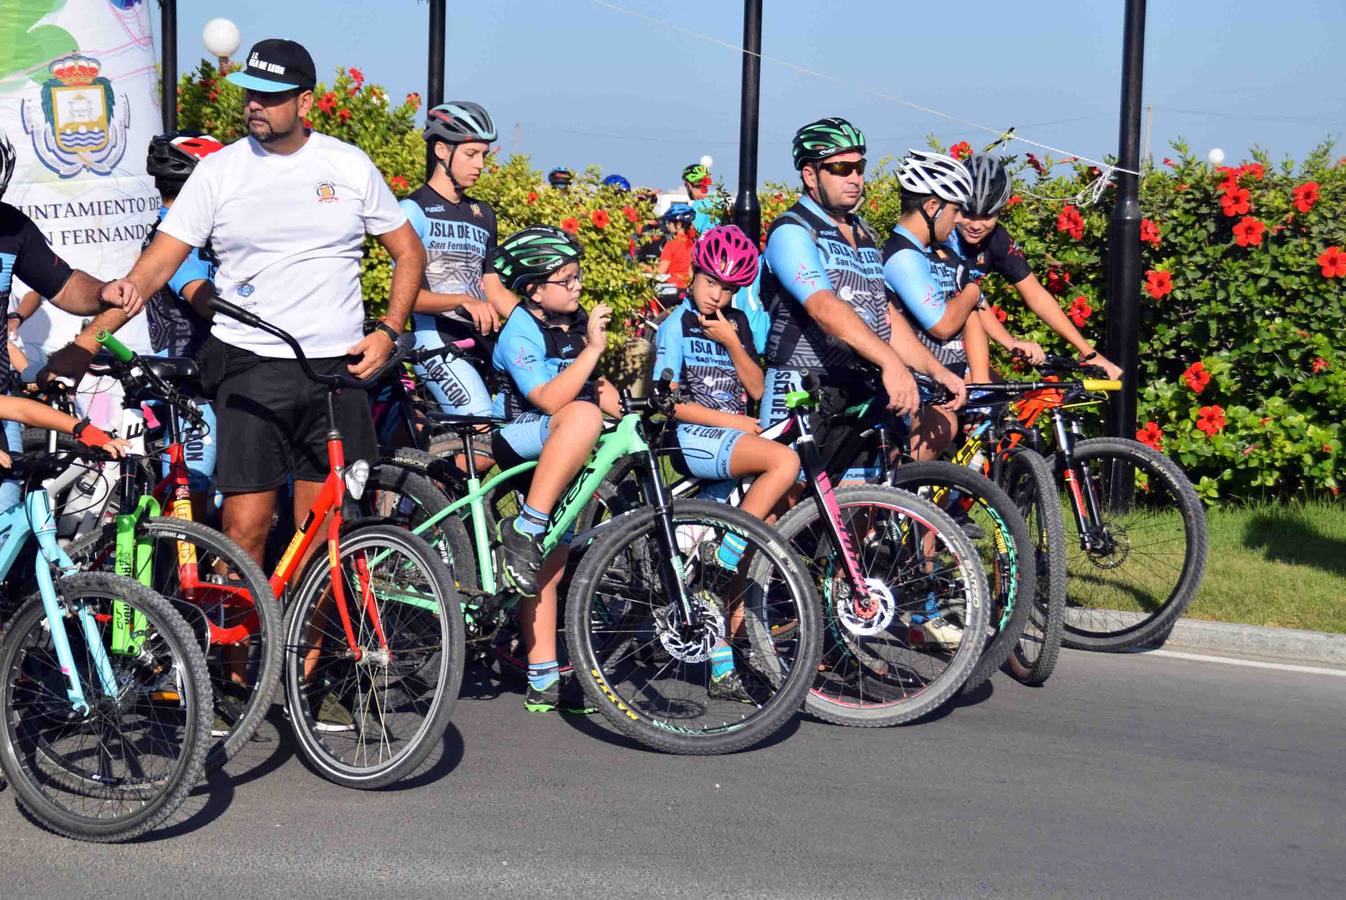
(437, 651)
(1092, 621)
(967, 590)
(1028, 480)
(1011, 579)
(27, 755)
(226, 624)
(781, 664)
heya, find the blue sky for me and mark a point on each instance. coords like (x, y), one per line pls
(587, 84)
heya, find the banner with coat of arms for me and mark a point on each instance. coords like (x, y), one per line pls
(79, 100)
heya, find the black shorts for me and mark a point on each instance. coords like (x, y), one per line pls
(272, 420)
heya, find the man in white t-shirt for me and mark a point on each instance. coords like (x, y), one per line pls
(286, 211)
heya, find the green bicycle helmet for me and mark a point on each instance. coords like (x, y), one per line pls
(823, 138)
(695, 174)
(531, 254)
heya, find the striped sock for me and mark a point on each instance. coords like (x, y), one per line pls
(721, 662)
(531, 522)
(731, 551)
(543, 675)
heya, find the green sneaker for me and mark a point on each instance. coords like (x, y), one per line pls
(563, 695)
(729, 687)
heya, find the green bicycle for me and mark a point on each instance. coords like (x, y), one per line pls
(647, 602)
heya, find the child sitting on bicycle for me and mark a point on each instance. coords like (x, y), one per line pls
(706, 345)
(550, 350)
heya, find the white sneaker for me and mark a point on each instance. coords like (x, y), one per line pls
(940, 630)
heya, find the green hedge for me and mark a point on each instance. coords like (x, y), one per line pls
(1244, 378)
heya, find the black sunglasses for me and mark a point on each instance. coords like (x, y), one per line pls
(842, 169)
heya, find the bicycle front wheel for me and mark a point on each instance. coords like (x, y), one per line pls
(901, 653)
(1135, 570)
(124, 765)
(368, 712)
(647, 664)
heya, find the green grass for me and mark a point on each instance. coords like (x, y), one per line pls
(1278, 565)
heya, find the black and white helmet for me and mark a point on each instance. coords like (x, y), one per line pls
(8, 160)
(990, 184)
(922, 172)
(458, 122)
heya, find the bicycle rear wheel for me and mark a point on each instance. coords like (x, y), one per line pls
(905, 657)
(127, 764)
(1000, 534)
(647, 668)
(366, 716)
(226, 598)
(1134, 573)
(1028, 480)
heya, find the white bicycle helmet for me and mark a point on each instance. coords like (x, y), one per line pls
(943, 176)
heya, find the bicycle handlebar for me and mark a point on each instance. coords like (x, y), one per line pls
(41, 466)
(662, 399)
(165, 391)
(401, 347)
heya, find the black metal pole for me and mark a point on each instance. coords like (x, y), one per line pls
(168, 63)
(747, 212)
(1124, 244)
(434, 87)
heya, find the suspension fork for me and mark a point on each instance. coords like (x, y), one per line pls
(672, 574)
(1083, 500)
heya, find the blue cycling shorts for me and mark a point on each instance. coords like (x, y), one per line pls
(523, 437)
(453, 380)
(706, 450)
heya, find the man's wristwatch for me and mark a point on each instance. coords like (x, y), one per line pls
(387, 330)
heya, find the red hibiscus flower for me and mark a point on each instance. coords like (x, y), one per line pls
(1058, 280)
(414, 99)
(1158, 283)
(1170, 163)
(1014, 200)
(1080, 310)
(398, 183)
(357, 76)
(327, 102)
(344, 115)
(873, 204)
(961, 150)
(1181, 187)
(1256, 170)
(1236, 202)
(1070, 222)
(1196, 377)
(999, 314)
(1248, 232)
(1210, 419)
(600, 218)
(1320, 365)
(1151, 436)
(531, 198)
(1333, 262)
(1306, 195)
(1149, 232)
(214, 95)
(631, 215)
(1036, 164)
(570, 224)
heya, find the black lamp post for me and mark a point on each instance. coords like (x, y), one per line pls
(168, 63)
(434, 88)
(747, 212)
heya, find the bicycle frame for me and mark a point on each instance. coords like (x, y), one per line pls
(34, 518)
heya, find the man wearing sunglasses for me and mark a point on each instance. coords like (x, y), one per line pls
(830, 312)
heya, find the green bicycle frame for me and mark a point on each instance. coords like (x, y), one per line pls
(132, 558)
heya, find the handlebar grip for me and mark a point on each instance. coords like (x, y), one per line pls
(119, 350)
(233, 311)
(1101, 384)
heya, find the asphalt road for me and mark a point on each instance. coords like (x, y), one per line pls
(1143, 775)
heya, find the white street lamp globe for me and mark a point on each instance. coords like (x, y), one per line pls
(707, 161)
(221, 38)
(1216, 156)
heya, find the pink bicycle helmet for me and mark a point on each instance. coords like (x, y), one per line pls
(727, 254)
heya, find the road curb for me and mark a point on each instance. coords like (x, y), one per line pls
(1281, 643)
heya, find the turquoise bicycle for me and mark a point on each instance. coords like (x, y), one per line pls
(104, 691)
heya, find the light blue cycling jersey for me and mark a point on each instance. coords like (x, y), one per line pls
(748, 300)
(707, 213)
(702, 367)
(806, 253)
(532, 353)
(923, 281)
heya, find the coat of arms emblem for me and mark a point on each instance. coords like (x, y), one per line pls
(79, 125)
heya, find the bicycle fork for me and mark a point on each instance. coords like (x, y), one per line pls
(1083, 499)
